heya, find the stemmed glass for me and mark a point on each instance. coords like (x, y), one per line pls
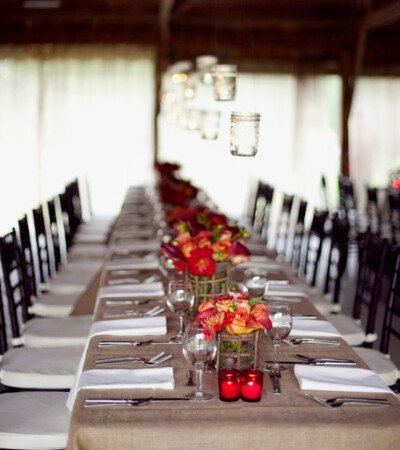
(180, 299)
(199, 348)
(280, 315)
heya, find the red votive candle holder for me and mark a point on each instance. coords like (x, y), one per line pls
(251, 385)
(229, 384)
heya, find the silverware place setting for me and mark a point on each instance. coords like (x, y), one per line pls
(298, 341)
(133, 343)
(93, 402)
(150, 313)
(153, 361)
(133, 302)
(320, 361)
(340, 401)
(117, 281)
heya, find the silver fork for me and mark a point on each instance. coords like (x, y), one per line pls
(299, 341)
(151, 313)
(153, 361)
(339, 401)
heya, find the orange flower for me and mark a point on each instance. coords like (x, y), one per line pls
(224, 304)
(183, 237)
(239, 259)
(208, 304)
(188, 247)
(259, 314)
(203, 239)
(216, 320)
(239, 324)
(221, 249)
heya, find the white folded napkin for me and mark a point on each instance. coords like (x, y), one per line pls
(138, 245)
(132, 263)
(262, 261)
(132, 290)
(123, 327)
(313, 328)
(290, 290)
(347, 379)
(130, 327)
(155, 378)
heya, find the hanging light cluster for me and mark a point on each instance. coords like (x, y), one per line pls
(181, 91)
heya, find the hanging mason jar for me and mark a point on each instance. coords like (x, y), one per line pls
(210, 125)
(194, 119)
(224, 79)
(244, 133)
(203, 66)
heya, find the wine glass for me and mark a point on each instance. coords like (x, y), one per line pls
(180, 299)
(256, 281)
(280, 315)
(199, 348)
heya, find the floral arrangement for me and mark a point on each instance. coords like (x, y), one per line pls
(174, 190)
(203, 239)
(235, 313)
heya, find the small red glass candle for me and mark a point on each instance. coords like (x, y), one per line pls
(251, 385)
(229, 384)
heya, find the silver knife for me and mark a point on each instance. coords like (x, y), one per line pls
(91, 402)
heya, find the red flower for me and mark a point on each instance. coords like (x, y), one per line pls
(180, 266)
(201, 262)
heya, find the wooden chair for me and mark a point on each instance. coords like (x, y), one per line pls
(36, 332)
(283, 225)
(379, 360)
(369, 280)
(372, 210)
(262, 210)
(394, 214)
(298, 235)
(36, 368)
(337, 259)
(315, 240)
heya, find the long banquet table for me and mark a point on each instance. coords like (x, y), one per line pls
(287, 421)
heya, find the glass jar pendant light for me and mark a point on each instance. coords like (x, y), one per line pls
(224, 80)
(203, 67)
(245, 128)
(210, 125)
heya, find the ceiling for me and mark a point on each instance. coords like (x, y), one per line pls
(271, 35)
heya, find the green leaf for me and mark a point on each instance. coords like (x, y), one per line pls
(254, 300)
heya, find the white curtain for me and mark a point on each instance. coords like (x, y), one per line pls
(82, 111)
(299, 140)
(374, 133)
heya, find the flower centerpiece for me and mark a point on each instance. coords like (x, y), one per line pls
(205, 244)
(173, 190)
(237, 319)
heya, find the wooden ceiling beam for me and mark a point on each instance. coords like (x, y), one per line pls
(383, 16)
